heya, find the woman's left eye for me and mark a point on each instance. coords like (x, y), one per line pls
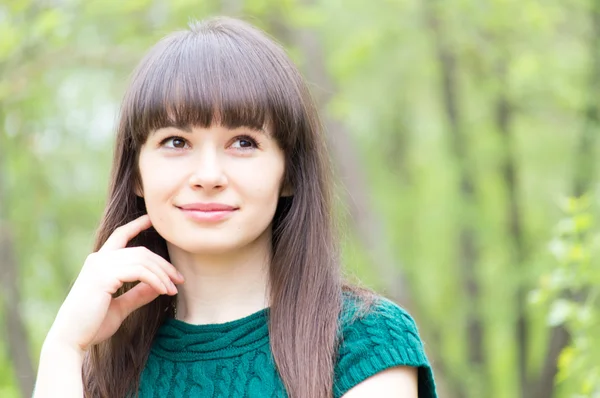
(245, 142)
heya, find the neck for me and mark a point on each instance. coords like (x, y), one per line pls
(222, 287)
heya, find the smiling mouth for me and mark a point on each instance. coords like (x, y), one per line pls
(208, 215)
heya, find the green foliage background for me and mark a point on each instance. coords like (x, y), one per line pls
(63, 69)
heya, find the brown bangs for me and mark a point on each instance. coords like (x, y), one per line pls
(210, 79)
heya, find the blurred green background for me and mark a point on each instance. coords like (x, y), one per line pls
(464, 135)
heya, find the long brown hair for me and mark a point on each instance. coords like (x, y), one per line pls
(226, 67)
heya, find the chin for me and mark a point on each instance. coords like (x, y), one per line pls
(217, 244)
(205, 249)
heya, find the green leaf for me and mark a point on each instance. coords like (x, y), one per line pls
(560, 311)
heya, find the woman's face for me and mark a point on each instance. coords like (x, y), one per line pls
(211, 190)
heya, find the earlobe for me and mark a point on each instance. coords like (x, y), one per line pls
(287, 191)
(137, 188)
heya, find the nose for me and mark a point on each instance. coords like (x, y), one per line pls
(208, 173)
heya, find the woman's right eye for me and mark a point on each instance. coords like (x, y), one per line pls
(174, 142)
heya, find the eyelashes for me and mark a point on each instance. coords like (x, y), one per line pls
(174, 139)
(249, 139)
(180, 143)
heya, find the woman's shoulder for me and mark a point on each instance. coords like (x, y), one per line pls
(376, 334)
(375, 322)
(366, 310)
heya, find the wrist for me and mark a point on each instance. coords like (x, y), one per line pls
(54, 346)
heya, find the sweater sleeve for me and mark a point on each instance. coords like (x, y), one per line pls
(384, 337)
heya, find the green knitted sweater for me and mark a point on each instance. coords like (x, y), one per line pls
(234, 359)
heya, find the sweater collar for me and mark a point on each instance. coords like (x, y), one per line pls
(180, 341)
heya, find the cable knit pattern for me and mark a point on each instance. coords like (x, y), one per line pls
(234, 359)
(387, 336)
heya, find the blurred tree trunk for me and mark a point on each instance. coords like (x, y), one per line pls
(583, 178)
(15, 330)
(469, 256)
(504, 112)
(544, 388)
(398, 153)
(585, 157)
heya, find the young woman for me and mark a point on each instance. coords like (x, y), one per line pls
(216, 272)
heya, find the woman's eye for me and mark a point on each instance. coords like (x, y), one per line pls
(174, 142)
(245, 143)
(241, 143)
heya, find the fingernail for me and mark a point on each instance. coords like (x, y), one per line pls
(180, 276)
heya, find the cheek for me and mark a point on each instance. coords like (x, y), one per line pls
(158, 188)
(157, 181)
(261, 184)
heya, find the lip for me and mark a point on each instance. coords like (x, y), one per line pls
(207, 207)
(207, 212)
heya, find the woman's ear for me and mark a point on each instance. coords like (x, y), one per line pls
(137, 187)
(286, 191)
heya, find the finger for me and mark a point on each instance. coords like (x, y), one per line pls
(159, 269)
(164, 265)
(165, 270)
(123, 234)
(133, 299)
(138, 272)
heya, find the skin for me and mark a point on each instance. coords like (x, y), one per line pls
(225, 264)
(220, 269)
(399, 381)
(90, 315)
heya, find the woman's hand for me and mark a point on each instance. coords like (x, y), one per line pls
(90, 314)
